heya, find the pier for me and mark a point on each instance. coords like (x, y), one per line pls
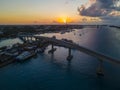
(69, 58)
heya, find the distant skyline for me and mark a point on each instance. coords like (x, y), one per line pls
(54, 11)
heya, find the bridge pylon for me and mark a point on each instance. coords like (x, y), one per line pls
(100, 71)
(70, 56)
(52, 49)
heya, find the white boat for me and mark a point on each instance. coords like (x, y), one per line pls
(25, 55)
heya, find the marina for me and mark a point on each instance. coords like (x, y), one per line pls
(18, 52)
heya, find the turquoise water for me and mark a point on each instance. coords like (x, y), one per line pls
(53, 72)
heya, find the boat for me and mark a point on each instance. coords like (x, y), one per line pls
(30, 47)
(25, 55)
(69, 58)
(52, 50)
(5, 59)
(12, 52)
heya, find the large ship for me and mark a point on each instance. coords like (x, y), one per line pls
(25, 55)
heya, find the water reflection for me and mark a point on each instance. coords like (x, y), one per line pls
(53, 71)
(69, 66)
(103, 40)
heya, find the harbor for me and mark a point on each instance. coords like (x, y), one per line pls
(33, 61)
(60, 45)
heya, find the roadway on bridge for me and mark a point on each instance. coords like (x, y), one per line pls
(71, 45)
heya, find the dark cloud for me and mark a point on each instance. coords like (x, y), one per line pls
(98, 8)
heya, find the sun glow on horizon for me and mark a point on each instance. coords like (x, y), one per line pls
(63, 20)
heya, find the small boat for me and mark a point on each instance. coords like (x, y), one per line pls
(25, 55)
(30, 47)
(69, 58)
(52, 50)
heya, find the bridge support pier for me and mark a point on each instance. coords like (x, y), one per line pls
(52, 49)
(100, 68)
(70, 56)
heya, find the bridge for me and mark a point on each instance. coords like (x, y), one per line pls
(70, 45)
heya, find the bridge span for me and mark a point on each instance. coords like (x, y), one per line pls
(70, 45)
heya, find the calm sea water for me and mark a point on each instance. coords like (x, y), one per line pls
(54, 72)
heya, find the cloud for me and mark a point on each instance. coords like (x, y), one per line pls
(97, 8)
(114, 20)
(107, 10)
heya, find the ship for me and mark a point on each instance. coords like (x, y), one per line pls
(25, 55)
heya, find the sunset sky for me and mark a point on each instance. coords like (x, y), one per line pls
(56, 11)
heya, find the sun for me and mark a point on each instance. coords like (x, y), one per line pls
(63, 20)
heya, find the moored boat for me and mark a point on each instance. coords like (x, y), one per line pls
(52, 50)
(5, 59)
(25, 55)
